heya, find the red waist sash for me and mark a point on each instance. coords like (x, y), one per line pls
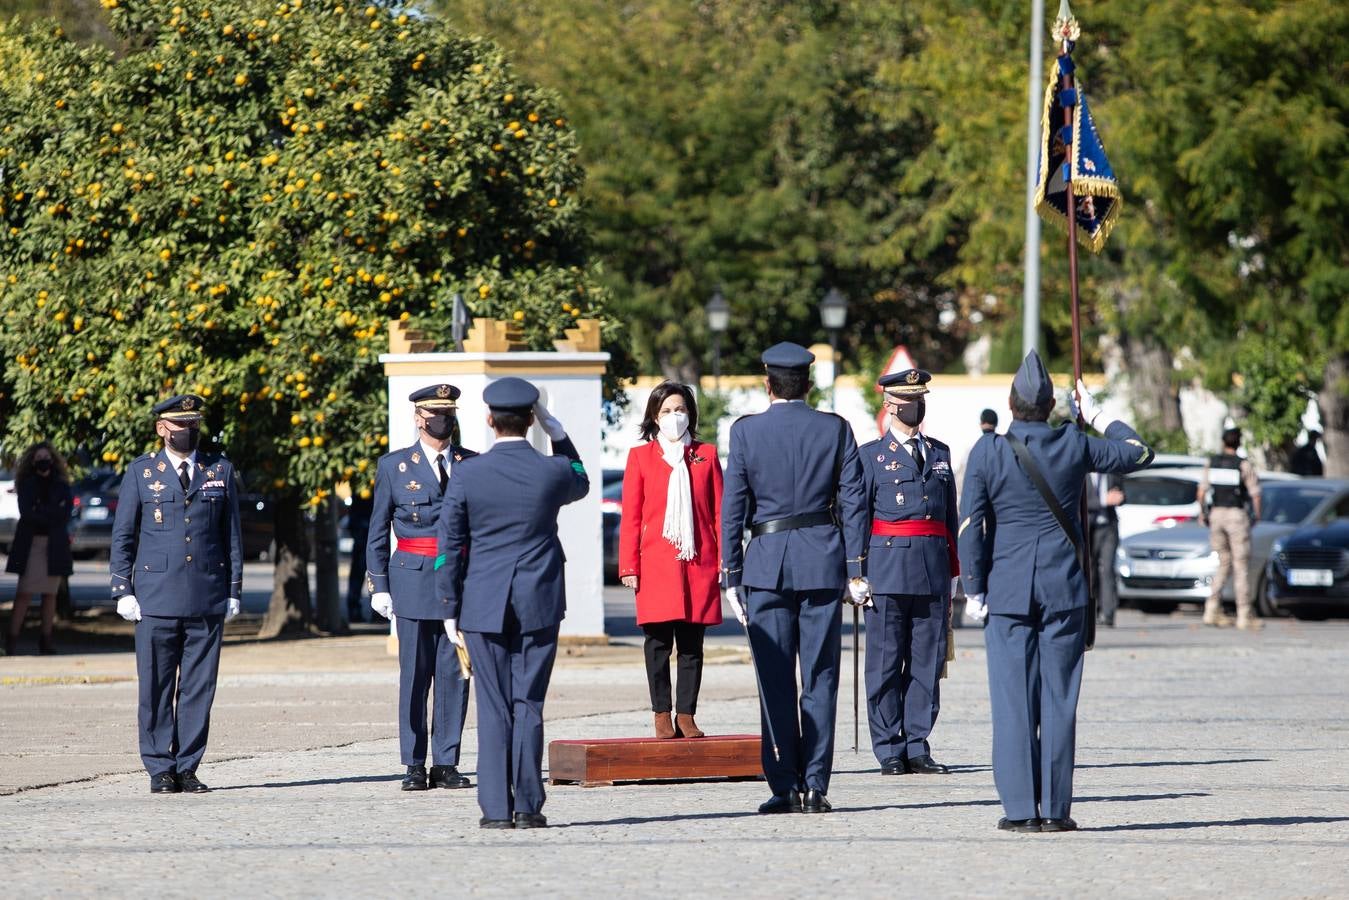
(920, 528)
(420, 546)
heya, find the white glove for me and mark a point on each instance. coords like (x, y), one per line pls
(955, 586)
(231, 608)
(975, 607)
(128, 608)
(733, 597)
(548, 422)
(453, 633)
(1089, 410)
(382, 603)
(859, 593)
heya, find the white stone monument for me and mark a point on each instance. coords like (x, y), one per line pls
(568, 380)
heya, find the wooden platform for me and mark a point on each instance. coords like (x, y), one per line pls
(609, 761)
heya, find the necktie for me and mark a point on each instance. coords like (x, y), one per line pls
(916, 450)
(183, 477)
(440, 468)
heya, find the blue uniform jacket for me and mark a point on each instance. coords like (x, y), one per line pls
(792, 460)
(1006, 527)
(897, 491)
(180, 554)
(505, 504)
(407, 497)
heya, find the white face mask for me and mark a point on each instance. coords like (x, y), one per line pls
(673, 425)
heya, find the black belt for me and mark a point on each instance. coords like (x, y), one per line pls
(773, 526)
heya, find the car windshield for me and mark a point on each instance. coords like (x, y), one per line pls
(1160, 491)
(1288, 504)
(613, 491)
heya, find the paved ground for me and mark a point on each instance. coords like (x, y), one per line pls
(1209, 763)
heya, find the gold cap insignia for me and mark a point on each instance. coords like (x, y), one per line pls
(912, 377)
(443, 391)
(186, 404)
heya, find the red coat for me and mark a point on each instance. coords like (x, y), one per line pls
(669, 589)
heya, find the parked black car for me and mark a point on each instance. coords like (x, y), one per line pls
(92, 513)
(1308, 573)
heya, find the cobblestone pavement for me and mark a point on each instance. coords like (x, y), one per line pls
(1209, 763)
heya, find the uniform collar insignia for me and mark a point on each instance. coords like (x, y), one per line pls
(162, 466)
(893, 446)
(416, 457)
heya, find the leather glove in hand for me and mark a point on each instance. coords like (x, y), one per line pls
(1088, 410)
(548, 422)
(382, 603)
(859, 593)
(453, 633)
(733, 597)
(975, 607)
(129, 608)
(231, 608)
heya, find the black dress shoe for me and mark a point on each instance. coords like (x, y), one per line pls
(893, 766)
(448, 777)
(190, 784)
(485, 822)
(815, 802)
(164, 783)
(1022, 825)
(415, 779)
(789, 802)
(530, 820)
(1064, 824)
(924, 765)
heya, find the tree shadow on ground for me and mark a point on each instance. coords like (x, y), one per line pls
(1177, 762)
(1223, 823)
(316, 782)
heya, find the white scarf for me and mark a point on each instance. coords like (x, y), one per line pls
(678, 528)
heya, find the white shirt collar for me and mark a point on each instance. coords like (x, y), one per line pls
(432, 453)
(780, 400)
(177, 461)
(507, 439)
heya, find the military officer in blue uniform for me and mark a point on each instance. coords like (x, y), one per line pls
(1022, 571)
(500, 579)
(177, 572)
(793, 478)
(911, 559)
(409, 486)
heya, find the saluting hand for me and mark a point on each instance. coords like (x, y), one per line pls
(548, 422)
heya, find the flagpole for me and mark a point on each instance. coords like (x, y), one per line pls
(1066, 83)
(1030, 295)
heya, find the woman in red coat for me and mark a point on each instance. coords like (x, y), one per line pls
(668, 551)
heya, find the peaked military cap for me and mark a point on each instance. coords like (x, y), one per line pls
(909, 383)
(787, 355)
(183, 408)
(511, 394)
(437, 396)
(1032, 383)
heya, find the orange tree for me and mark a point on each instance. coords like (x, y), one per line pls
(237, 207)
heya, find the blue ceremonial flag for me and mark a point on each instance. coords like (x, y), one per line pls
(1088, 171)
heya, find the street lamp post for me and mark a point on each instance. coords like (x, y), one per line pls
(718, 320)
(833, 315)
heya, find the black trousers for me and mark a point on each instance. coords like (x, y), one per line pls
(661, 639)
(1104, 543)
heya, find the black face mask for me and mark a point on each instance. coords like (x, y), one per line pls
(439, 427)
(184, 441)
(42, 466)
(911, 414)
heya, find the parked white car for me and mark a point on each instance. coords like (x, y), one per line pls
(1167, 498)
(9, 508)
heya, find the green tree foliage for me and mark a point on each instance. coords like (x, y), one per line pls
(237, 209)
(81, 20)
(749, 144)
